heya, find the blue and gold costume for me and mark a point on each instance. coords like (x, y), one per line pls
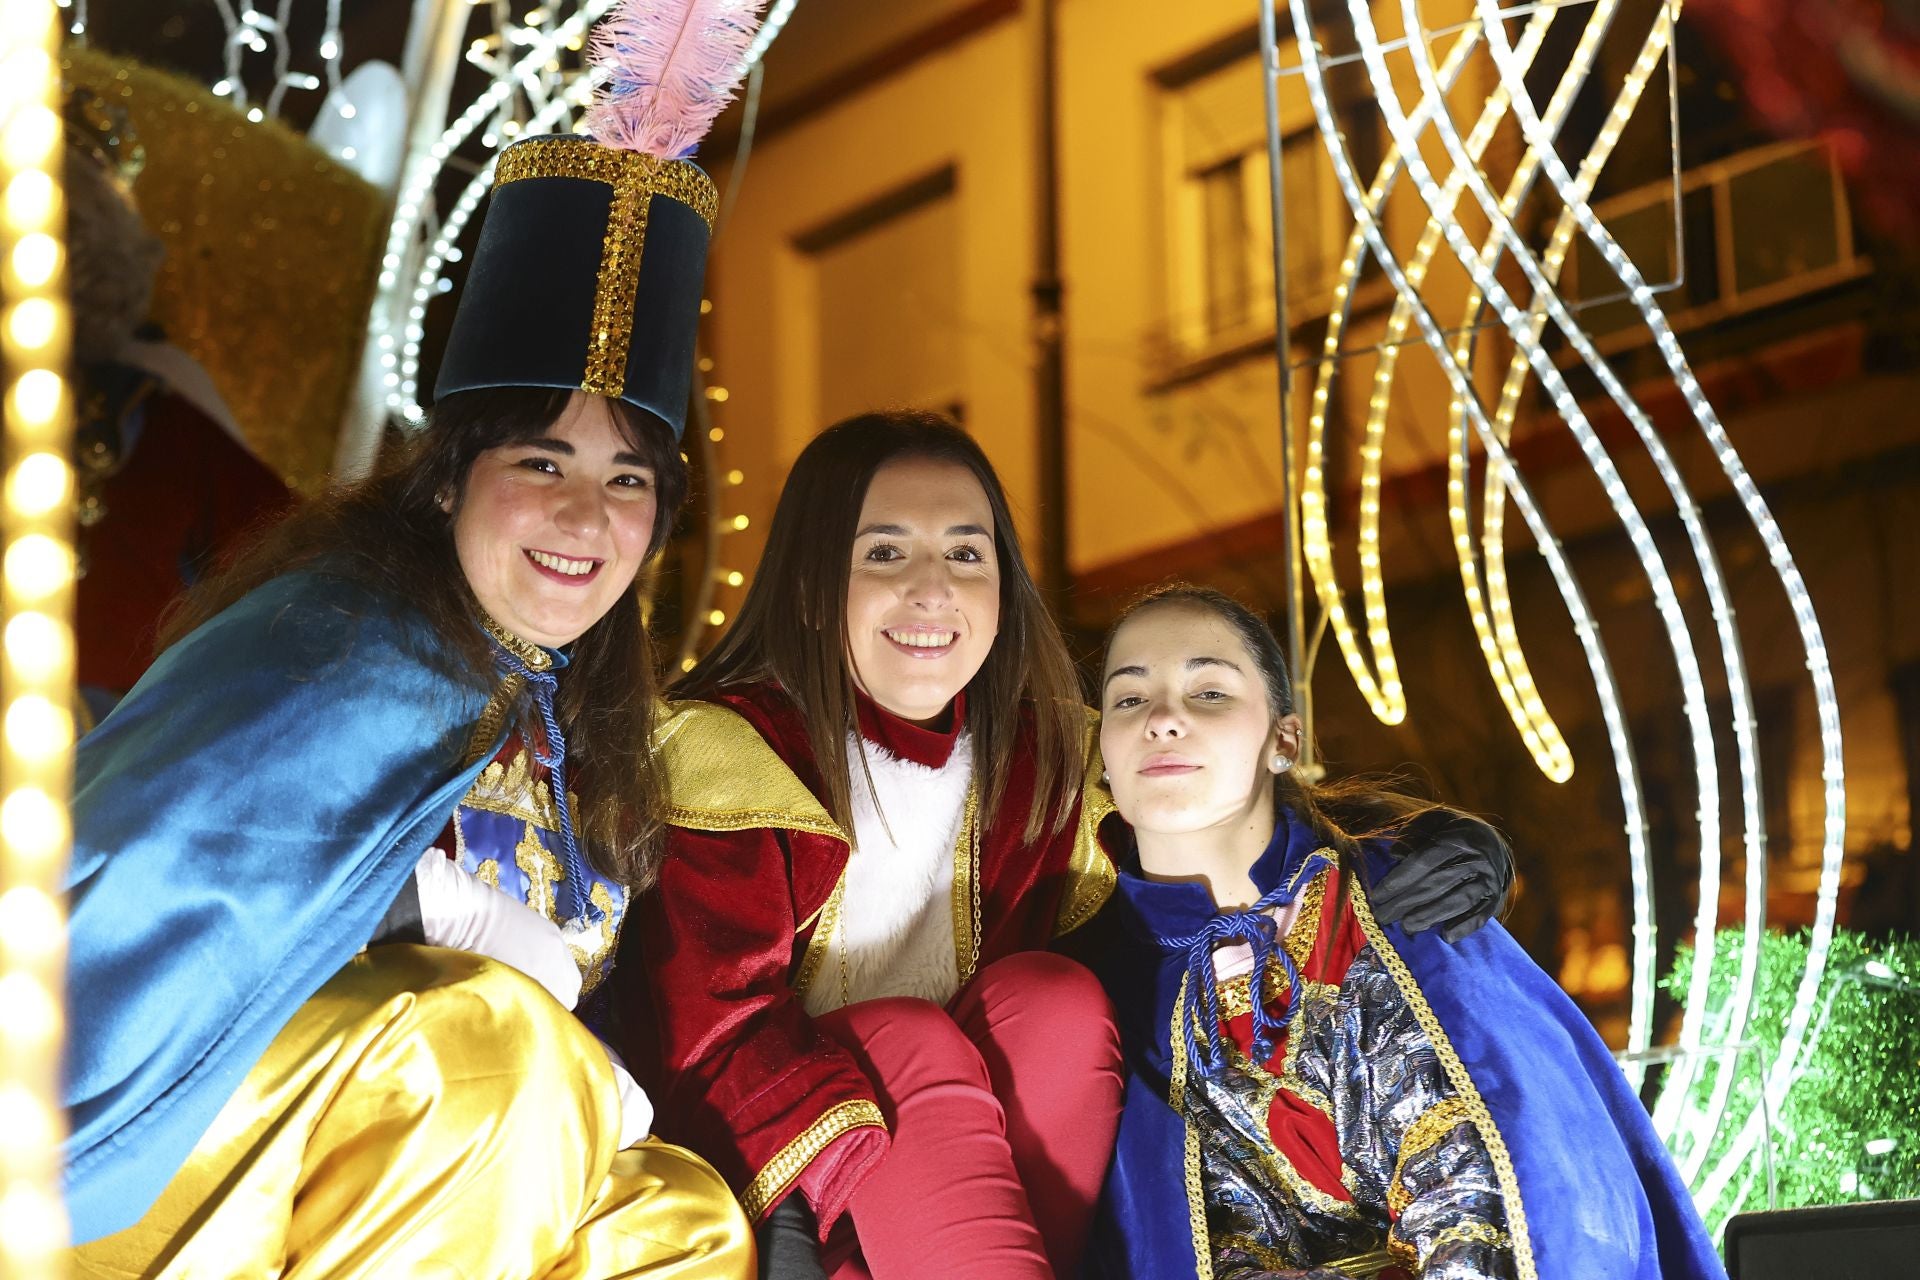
(1391, 1105)
(251, 1092)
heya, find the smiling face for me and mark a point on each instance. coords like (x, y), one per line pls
(923, 596)
(1187, 728)
(551, 531)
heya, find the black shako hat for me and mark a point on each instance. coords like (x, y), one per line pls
(588, 275)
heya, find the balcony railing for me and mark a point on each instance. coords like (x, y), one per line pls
(1758, 228)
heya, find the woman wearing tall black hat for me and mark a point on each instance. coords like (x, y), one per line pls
(348, 854)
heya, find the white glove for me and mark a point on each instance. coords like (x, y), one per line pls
(462, 911)
(636, 1108)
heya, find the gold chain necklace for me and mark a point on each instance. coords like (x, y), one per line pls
(969, 840)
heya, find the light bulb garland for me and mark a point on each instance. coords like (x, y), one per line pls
(36, 639)
(1688, 1114)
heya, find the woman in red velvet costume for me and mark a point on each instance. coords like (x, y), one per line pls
(878, 827)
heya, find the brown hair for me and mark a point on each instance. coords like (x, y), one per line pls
(792, 627)
(389, 533)
(1341, 813)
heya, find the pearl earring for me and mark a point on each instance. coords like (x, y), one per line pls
(1281, 763)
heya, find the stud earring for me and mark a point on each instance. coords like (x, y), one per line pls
(1281, 763)
(1104, 779)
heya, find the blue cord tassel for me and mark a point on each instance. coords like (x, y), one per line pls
(544, 685)
(1259, 931)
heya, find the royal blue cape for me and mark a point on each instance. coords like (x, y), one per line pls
(242, 821)
(1598, 1196)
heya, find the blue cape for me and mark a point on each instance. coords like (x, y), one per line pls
(242, 821)
(1593, 1194)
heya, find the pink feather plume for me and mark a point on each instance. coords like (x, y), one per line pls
(673, 65)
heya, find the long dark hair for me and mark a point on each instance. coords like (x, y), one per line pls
(792, 627)
(1341, 813)
(390, 533)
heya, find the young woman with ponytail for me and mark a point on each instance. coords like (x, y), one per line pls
(1312, 1092)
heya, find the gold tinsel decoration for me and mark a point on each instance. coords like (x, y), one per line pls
(272, 250)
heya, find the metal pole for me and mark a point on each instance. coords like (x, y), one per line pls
(1049, 324)
(435, 36)
(1283, 356)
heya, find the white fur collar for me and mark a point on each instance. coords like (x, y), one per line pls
(895, 930)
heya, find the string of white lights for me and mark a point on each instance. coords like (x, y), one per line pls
(36, 640)
(1592, 647)
(1384, 694)
(1511, 679)
(1690, 1138)
(1666, 598)
(1781, 558)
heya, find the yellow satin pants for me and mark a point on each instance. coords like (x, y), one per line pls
(430, 1113)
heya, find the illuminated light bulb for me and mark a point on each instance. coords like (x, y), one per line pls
(35, 259)
(735, 577)
(30, 139)
(32, 1222)
(717, 434)
(38, 647)
(29, 199)
(717, 394)
(26, 1124)
(686, 664)
(706, 306)
(28, 1012)
(36, 728)
(40, 483)
(736, 476)
(32, 823)
(37, 566)
(741, 522)
(716, 617)
(31, 927)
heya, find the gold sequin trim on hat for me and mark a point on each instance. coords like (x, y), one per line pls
(611, 334)
(771, 1183)
(584, 158)
(636, 179)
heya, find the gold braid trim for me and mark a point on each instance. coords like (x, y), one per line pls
(491, 729)
(1463, 1086)
(636, 179)
(1177, 1095)
(1090, 874)
(770, 1184)
(1433, 1124)
(966, 894)
(1471, 1233)
(826, 925)
(536, 658)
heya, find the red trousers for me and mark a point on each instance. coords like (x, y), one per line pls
(1002, 1108)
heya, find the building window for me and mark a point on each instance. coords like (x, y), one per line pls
(1760, 227)
(1218, 210)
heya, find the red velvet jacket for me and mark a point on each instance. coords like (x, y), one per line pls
(706, 993)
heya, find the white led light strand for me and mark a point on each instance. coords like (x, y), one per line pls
(1516, 690)
(36, 640)
(1813, 642)
(1385, 696)
(1666, 599)
(1690, 1139)
(1592, 647)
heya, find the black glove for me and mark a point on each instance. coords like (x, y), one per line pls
(1454, 871)
(789, 1242)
